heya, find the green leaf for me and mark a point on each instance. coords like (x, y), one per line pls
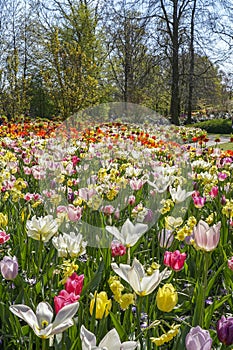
(118, 326)
(94, 283)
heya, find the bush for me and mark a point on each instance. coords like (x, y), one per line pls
(215, 126)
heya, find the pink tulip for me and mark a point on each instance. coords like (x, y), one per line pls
(4, 237)
(230, 263)
(214, 191)
(117, 249)
(74, 213)
(206, 237)
(64, 298)
(199, 202)
(175, 260)
(74, 284)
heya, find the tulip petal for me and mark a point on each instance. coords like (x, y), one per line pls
(111, 340)
(116, 233)
(65, 314)
(121, 271)
(44, 312)
(25, 313)
(59, 328)
(129, 345)
(88, 338)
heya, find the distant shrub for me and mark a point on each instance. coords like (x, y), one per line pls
(215, 126)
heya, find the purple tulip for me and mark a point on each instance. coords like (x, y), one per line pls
(225, 330)
(9, 267)
(198, 339)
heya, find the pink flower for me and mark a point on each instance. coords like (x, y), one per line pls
(222, 176)
(64, 298)
(131, 200)
(108, 209)
(165, 238)
(175, 260)
(4, 237)
(199, 202)
(136, 184)
(117, 249)
(9, 267)
(28, 196)
(75, 160)
(74, 284)
(230, 263)
(206, 237)
(214, 191)
(74, 213)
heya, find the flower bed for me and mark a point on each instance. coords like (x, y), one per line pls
(124, 233)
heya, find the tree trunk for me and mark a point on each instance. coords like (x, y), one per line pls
(191, 68)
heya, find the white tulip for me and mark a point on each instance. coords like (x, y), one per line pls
(136, 276)
(111, 341)
(179, 195)
(71, 245)
(43, 228)
(41, 321)
(129, 234)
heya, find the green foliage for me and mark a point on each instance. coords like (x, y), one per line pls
(215, 126)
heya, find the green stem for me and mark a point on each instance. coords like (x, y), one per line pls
(44, 344)
(201, 286)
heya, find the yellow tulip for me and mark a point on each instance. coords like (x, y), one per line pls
(166, 298)
(102, 305)
(3, 220)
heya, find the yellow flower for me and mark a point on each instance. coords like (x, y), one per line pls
(166, 337)
(167, 205)
(78, 201)
(126, 300)
(69, 182)
(116, 287)
(228, 208)
(210, 219)
(183, 232)
(102, 305)
(112, 193)
(68, 267)
(191, 221)
(166, 298)
(171, 223)
(3, 220)
(102, 173)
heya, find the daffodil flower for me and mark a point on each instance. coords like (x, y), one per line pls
(41, 321)
(136, 276)
(129, 234)
(111, 341)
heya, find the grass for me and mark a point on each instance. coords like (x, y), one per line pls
(226, 146)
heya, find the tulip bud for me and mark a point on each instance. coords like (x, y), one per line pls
(198, 339)
(9, 267)
(225, 330)
(166, 298)
(102, 305)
